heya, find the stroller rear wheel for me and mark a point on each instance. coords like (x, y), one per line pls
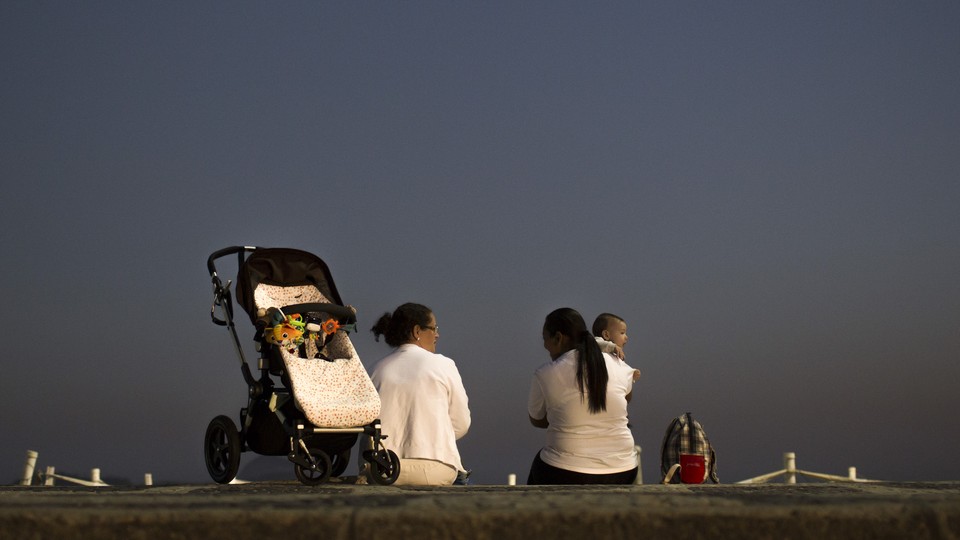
(384, 466)
(221, 449)
(318, 473)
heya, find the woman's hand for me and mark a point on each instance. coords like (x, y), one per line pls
(541, 423)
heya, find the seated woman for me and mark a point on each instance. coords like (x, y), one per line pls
(581, 398)
(424, 405)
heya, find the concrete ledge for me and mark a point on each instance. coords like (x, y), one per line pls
(342, 511)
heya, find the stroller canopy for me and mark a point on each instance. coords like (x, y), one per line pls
(284, 267)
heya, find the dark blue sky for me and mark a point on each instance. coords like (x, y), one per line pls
(766, 191)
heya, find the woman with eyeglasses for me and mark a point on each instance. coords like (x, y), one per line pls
(580, 397)
(423, 403)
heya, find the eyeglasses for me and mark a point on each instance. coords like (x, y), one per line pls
(434, 328)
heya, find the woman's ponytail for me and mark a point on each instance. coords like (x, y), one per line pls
(382, 328)
(592, 373)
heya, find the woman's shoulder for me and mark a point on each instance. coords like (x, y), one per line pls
(397, 355)
(442, 359)
(423, 355)
(546, 366)
(564, 361)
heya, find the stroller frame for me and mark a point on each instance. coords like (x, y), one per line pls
(224, 442)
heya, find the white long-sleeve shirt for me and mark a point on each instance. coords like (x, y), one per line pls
(578, 440)
(424, 408)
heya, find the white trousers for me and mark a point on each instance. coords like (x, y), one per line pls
(425, 472)
(413, 472)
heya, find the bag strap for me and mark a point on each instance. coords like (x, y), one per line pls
(669, 476)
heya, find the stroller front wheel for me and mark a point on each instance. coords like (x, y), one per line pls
(318, 473)
(384, 467)
(221, 449)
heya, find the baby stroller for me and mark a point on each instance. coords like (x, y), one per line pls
(312, 398)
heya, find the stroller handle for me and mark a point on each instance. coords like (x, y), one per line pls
(221, 292)
(239, 250)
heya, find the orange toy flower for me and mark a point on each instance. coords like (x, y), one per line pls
(330, 326)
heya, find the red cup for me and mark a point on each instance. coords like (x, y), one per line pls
(693, 469)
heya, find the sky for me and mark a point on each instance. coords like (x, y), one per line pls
(766, 191)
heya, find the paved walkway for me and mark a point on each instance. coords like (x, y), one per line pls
(340, 511)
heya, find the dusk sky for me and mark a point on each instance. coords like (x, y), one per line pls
(767, 192)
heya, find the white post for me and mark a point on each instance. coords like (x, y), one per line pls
(790, 464)
(511, 479)
(28, 467)
(852, 473)
(95, 475)
(148, 479)
(48, 477)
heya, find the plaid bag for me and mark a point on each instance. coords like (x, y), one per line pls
(685, 436)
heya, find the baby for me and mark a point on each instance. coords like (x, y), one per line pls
(611, 333)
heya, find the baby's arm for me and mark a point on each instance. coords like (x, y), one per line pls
(610, 347)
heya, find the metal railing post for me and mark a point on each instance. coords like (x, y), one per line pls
(28, 468)
(790, 466)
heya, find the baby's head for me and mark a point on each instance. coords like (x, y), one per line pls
(611, 328)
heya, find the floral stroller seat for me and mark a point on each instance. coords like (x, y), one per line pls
(329, 383)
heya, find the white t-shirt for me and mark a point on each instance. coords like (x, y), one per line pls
(577, 440)
(423, 404)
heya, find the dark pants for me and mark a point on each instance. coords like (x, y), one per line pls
(543, 474)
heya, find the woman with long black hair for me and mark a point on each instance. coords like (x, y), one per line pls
(580, 397)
